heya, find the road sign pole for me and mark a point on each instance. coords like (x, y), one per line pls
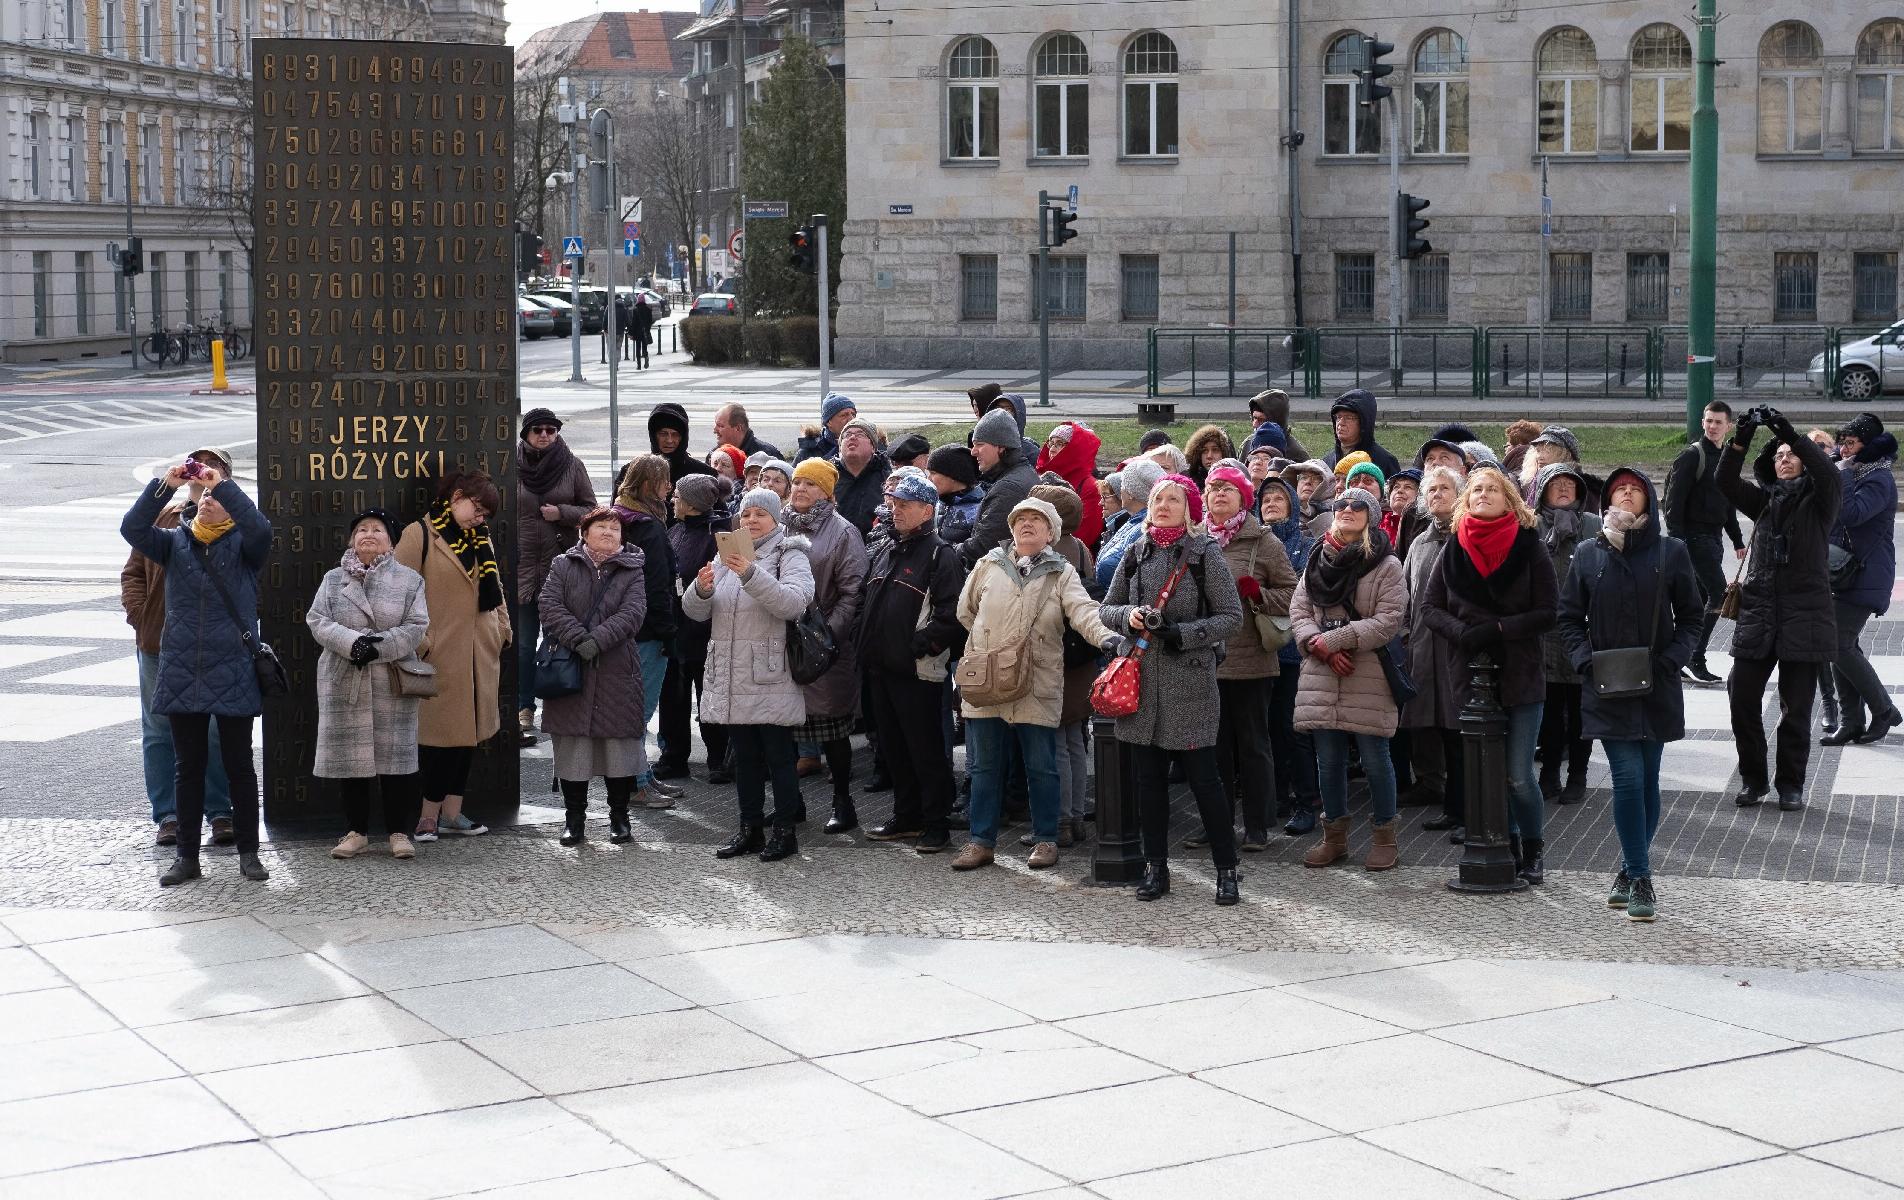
(1704, 231)
(1546, 234)
(1394, 240)
(1044, 304)
(826, 341)
(613, 326)
(575, 266)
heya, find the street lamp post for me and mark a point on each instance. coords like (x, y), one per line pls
(1487, 860)
(1119, 858)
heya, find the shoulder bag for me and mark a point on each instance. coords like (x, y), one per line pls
(272, 680)
(811, 647)
(1729, 607)
(1627, 673)
(558, 668)
(1272, 631)
(1002, 675)
(1842, 566)
(1116, 690)
(1391, 656)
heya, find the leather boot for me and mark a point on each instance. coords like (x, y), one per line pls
(1334, 844)
(574, 822)
(1156, 880)
(747, 841)
(781, 845)
(1226, 894)
(1533, 863)
(844, 817)
(1576, 789)
(619, 790)
(1550, 781)
(1382, 854)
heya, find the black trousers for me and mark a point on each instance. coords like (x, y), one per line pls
(1294, 753)
(1708, 565)
(1153, 801)
(1243, 749)
(762, 753)
(907, 712)
(191, 744)
(680, 692)
(1454, 800)
(641, 352)
(1859, 687)
(445, 770)
(1797, 685)
(1560, 738)
(399, 794)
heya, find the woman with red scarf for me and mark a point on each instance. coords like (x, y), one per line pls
(1494, 592)
(1071, 451)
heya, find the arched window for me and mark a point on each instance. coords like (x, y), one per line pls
(1347, 127)
(1568, 71)
(1878, 123)
(1791, 89)
(1441, 94)
(1662, 90)
(1061, 98)
(971, 100)
(1150, 96)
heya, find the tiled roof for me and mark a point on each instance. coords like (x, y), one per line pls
(642, 43)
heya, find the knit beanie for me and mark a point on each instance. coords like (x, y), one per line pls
(780, 465)
(1269, 436)
(997, 428)
(864, 425)
(819, 473)
(759, 458)
(1560, 435)
(388, 522)
(1362, 499)
(1865, 427)
(735, 456)
(1225, 474)
(1041, 508)
(539, 416)
(699, 492)
(915, 487)
(1152, 439)
(1140, 475)
(1193, 499)
(1368, 468)
(955, 463)
(1478, 455)
(765, 499)
(1348, 462)
(833, 406)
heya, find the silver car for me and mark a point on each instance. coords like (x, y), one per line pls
(1866, 367)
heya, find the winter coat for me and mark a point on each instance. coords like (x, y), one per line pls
(464, 644)
(1865, 520)
(856, 496)
(747, 681)
(142, 586)
(1555, 663)
(1177, 698)
(1519, 599)
(998, 606)
(681, 462)
(1077, 463)
(691, 545)
(904, 577)
(641, 323)
(1246, 658)
(1203, 439)
(1694, 503)
(1785, 609)
(958, 514)
(204, 663)
(1078, 679)
(364, 727)
(611, 703)
(1009, 481)
(751, 445)
(539, 541)
(1425, 651)
(650, 537)
(1277, 410)
(1115, 547)
(1360, 702)
(837, 558)
(1363, 405)
(1607, 603)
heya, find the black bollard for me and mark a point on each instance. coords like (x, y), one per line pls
(1120, 854)
(1487, 861)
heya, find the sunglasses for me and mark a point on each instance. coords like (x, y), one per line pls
(543, 429)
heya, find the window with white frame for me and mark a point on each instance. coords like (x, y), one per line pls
(1440, 94)
(1061, 98)
(185, 31)
(83, 291)
(971, 101)
(112, 27)
(74, 182)
(149, 30)
(112, 158)
(185, 163)
(1568, 88)
(1661, 75)
(1791, 89)
(1877, 121)
(1150, 97)
(1347, 127)
(36, 158)
(42, 294)
(151, 173)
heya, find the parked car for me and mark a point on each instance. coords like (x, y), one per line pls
(594, 304)
(533, 319)
(715, 304)
(559, 310)
(1866, 367)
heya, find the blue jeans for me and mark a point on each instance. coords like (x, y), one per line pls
(161, 763)
(654, 673)
(1635, 767)
(528, 634)
(1332, 771)
(987, 743)
(1526, 811)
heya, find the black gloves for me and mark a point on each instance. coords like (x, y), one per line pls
(364, 649)
(586, 649)
(1742, 433)
(1480, 637)
(1170, 637)
(922, 645)
(1777, 422)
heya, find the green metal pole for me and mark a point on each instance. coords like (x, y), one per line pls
(1705, 223)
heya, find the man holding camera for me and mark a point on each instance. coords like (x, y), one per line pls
(1786, 616)
(1697, 513)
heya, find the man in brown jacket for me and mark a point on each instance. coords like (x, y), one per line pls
(142, 595)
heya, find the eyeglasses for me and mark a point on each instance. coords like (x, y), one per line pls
(543, 429)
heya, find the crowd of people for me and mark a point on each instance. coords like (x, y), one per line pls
(1264, 624)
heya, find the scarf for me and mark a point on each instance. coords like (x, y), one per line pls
(357, 568)
(1335, 567)
(1488, 539)
(809, 522)
(1559, 527)
(207, 532)
(540, 470)
(473, 550)
(1223, 531)
(1166, 537)
(598, 558)
(1616, 523)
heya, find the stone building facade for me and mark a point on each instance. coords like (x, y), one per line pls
(956, 119)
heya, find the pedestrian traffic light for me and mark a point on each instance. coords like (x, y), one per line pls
(132, 258)
(528, 252)
(1550, 117)
(1061, 221)
(601, 183)
(801, 243)
(1373, 70)
(1408, 227)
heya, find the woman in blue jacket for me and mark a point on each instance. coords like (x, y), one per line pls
(205, 661)
(1866, 456)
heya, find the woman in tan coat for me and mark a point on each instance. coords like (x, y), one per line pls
(469, 630)
(1349, 605)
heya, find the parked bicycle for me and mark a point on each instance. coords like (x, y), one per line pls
(160, 347)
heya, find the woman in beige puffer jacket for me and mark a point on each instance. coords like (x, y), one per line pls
(1350, 603)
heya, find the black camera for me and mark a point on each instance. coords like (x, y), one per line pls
(1764, 414)
(1153, 619)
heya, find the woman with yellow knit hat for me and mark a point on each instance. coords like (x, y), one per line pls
(838, 557)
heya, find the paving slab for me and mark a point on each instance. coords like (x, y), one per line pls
(224, 989)
(1196, 1035)
(455, 957)
(50, 1132)
(506, 1004)
(363, 1088)
(1337, 1166)
(1793, 1099)
(626, 1050)
(1766, 1179)
(989, 1069)
(79, 1064)
(1611, 1039)
(272, 1035)
(1878, 1155)
(863, 1017)
(237, 1171)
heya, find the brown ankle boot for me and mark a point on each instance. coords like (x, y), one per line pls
(1333, 846)
(1382, 854)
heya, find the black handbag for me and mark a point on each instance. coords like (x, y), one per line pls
(1627, 673)
(1843, 566)
(272, 680)
(1393, 658)
(811, 647)
(558, 668)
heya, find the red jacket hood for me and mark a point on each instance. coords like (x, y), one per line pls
(1077, 463)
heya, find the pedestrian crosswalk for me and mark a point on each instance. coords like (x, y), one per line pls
(51, 418)
(74, 541)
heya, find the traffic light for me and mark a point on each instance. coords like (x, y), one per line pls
(132, 258)
(528, 252)
(1550, 116)
(801, 243)
(1373, 70)
(1409, 242)
(1061, 221)
(601, 184)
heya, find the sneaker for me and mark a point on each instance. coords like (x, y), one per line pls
(1622, 890)
(461, 824)
(425, 830)
(1697, 673)
(401, 847)
(1304, 821)
(168, 833)
(222, 832)
(351, 845)
(662, 788)
(932, 842)
(972, 856)
(1640, 903)
(654, 797)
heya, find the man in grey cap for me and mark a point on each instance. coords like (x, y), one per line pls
(1007, 476)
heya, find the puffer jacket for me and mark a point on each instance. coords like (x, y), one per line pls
(681, 462)
(1276, 408)
(611, 703)
(1865, 519)
(1425, 652)
(1115, 547)
(364, 727)
(837, 558)
(539, 541)
(998, 606)
(1519, 598)
(1256, 551)
(1177, 697)
(650, 537)
(1360, 702)
(747, 681)
(1298, 544)
(1009, 481)
(204, 664)
(958, 513)
(1560, 551)
(691, 544)
(1785, 609)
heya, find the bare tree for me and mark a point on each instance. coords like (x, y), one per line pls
(541, 144)
(672, 167)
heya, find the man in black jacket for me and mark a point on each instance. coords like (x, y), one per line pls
(1007, 476)
(1353, 414)
(732, 428)
(863, 470)
(909, 628)
(1696, 512)
(1786, 615)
